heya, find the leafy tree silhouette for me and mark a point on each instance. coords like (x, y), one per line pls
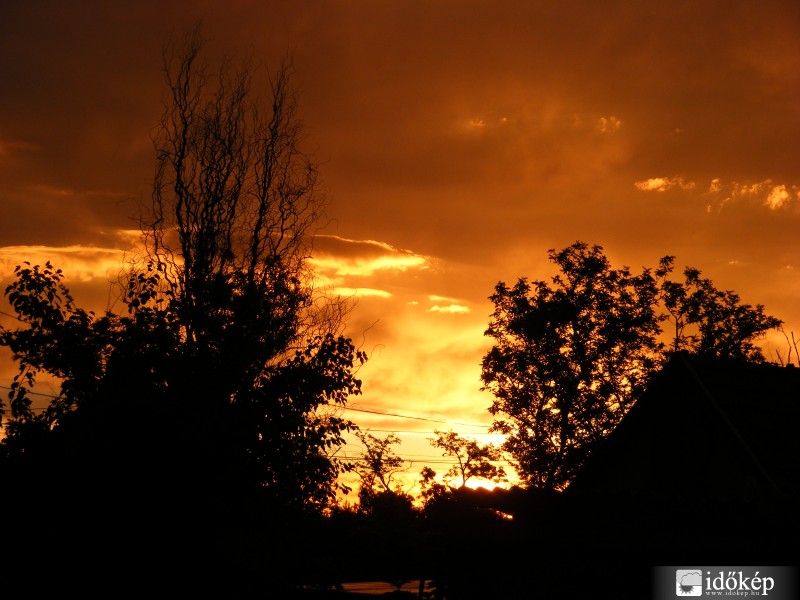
(473, 460)
(212, 401)
(571, 356)
(712, 322)
(376, 468)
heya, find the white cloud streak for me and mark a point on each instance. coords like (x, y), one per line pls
(450, 308)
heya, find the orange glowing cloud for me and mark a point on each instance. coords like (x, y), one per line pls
(778, 197)
(608, 124)
(452, 307)
(340, 257)
(79, 263)
(662, 184)
(762, 193)
(359, 268)
(349, 292)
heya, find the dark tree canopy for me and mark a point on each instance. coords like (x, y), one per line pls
(222, 378)
(568, 359)
(571, 355)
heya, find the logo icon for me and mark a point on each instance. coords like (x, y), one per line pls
(688, 582)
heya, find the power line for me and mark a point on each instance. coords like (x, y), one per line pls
(361, 410)
(388, 414)
(55, 397)
(419, 431)
(438, 461)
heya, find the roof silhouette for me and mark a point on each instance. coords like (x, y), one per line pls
(705, 428)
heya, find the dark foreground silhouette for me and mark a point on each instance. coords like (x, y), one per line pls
(704, 470)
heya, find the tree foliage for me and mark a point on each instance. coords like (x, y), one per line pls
(570, 356)
(377, 467)
(222, 377)
(712, 322)
(234, 203)
(473, 460)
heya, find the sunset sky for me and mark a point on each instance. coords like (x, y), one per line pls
(457, 142)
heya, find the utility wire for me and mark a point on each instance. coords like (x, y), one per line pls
(15, 317)
(388, 414)
(426, 462)
(417, 431)
(53, 396)
(362, 410)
